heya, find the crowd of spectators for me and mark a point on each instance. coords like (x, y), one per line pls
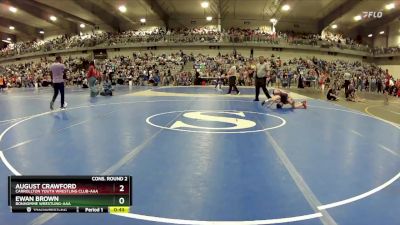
(389, 50)
(63, 42)
(184, 35)
(311, 72)
(144, 69)
(339, 41)
(150, 69)
(140, 69)
(31, 73)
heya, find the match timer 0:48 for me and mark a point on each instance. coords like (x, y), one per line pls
(118, 209)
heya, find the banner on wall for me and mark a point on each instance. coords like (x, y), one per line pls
(100, 54)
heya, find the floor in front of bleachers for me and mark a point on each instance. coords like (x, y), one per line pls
(240, 162)
(371, 103)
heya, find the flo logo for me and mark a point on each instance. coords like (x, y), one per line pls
(372, 14)
(216, 121)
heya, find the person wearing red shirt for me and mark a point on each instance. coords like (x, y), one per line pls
(387, 86)
(92, 76)
(387, 80)
(2, 83)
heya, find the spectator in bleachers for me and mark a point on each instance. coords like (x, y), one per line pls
(166, 69)
(2, 83)
(201, 34)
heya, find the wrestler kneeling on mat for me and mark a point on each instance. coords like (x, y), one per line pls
(282, 98)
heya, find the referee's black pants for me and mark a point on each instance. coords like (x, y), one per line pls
(58, 87)
(232, 85)
(261, 83)
(346, 87)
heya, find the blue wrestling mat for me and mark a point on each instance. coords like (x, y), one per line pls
(207, 160)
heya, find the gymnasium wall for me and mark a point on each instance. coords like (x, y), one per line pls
(393, 34)
(49, 35)
(393, 65)
(367, 41)
(390, 38)
(191, 23)
(380, 41)
(228, 22)
(394, 70)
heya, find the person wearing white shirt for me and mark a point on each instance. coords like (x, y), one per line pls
(232, 80)
(347, 78)
(57, 70)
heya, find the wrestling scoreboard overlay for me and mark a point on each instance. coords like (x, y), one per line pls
(70, 194)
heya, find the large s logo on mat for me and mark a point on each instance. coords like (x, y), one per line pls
(216, 121)
(235, 123)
